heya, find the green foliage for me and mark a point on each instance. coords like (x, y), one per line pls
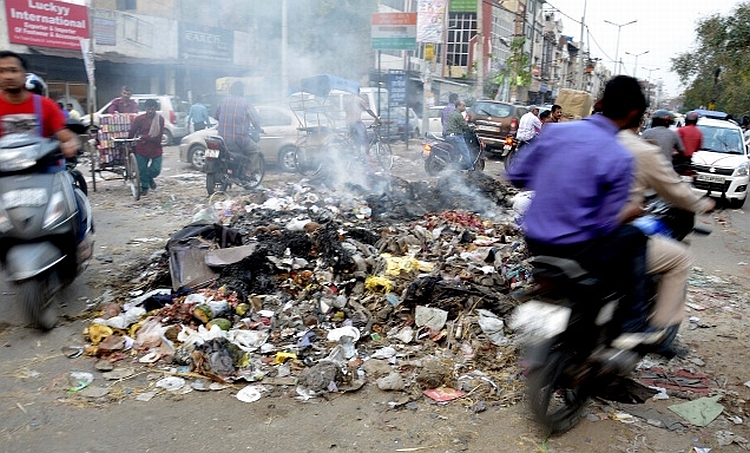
(721, 42)
(516, 65)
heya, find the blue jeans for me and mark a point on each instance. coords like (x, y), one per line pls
(459, 143)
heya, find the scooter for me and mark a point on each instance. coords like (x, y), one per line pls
(46, 227)
(440, 155)
(566, 326)
(225, 168)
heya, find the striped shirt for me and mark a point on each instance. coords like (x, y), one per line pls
(236, 115)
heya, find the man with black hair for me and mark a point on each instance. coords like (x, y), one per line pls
(125, 103)
(447, 110)
(555, 113)
(581, 176)
(23, 111)
(149, 127)
(237, 120)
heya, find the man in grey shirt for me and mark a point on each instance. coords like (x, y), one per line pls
(661, 135)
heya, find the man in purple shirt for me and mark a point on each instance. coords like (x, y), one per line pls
(124, 104)
(447, 110)
(581, 176)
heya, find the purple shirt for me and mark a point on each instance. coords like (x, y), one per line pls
(120, 105)
(580, 174)
(445, 113)
(236, 115)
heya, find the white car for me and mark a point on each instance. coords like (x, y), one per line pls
(722, 164)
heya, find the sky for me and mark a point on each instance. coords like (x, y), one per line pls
(664, 28)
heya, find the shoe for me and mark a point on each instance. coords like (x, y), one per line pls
(144, 192)
(152, 184)
(630, 340)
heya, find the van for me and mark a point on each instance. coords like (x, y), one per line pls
(171, 108)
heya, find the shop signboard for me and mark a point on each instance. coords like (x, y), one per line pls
(394, 31)
(431, 20)
(396, 88)
(46, 23)
(206, 43)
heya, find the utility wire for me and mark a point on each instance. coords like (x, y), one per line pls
(591, 37)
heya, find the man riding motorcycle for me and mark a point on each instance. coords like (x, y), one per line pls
(664, 256)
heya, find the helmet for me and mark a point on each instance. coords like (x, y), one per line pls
(691, 117)
(662, 118)
(35, 84)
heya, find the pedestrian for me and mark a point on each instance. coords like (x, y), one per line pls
(72, 113)
(198, 116)
(447, 110)
(455, 128)
(124, 104)
(148, 127)
(575, 210)
(62, 109)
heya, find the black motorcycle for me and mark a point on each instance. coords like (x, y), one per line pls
(225, 168)
(566, 326)
(440, 155)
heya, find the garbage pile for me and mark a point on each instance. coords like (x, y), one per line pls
(325, 289)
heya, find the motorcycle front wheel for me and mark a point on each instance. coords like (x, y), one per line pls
(37, 297)
(554, 400)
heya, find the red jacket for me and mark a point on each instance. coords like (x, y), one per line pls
(148, 146)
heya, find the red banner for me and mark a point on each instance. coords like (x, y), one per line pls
(46, 23)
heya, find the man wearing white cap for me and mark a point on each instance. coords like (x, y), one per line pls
(529, 126)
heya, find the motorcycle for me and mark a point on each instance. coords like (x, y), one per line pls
(46, 226)
(440, 155)
(509, 151)
(225, 168)
(565, 367)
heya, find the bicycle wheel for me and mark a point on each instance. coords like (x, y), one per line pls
(255, 169)
(307, 159)
(133, 176)
(384, 155)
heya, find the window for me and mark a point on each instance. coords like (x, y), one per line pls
(125, 5)
(461, 28)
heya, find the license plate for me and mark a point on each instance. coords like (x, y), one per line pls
(211, 154)
(539, 320)
(488, 128)
(24, 197)
(711, 178)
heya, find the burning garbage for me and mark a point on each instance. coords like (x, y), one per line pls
(316, 285)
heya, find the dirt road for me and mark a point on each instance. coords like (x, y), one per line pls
(39, 414)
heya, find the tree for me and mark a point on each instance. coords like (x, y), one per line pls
(516, 67)
(716, 71)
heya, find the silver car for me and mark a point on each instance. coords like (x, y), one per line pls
(277, 142)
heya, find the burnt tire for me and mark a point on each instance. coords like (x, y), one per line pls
(554, 401)
(37, 298)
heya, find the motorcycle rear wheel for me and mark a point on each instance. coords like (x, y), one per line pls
(217, 180)
(436, 163)
(37, 297)
(510, 159)
(555, 402)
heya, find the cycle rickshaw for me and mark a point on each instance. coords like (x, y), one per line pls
(113, 153)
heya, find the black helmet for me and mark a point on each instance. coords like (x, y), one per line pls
(662, 118)
(691, 117)
(35, 84)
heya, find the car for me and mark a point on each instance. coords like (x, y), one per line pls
(435, 121)
(495, 120)
(394, 123)
(171, 108)
(722, 164)
(277, 141)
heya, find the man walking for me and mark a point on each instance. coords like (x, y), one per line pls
(149, 127)
(198, 116)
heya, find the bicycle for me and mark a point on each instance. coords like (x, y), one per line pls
(126, 163)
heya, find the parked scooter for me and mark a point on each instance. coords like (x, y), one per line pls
(440, 155)
(45, 238)
(566, 329)
(225, 168)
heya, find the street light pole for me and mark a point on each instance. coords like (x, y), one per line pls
(617, 49)
(636, 55)
(648, 82)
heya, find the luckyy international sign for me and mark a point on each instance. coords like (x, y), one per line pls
(46, 23)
